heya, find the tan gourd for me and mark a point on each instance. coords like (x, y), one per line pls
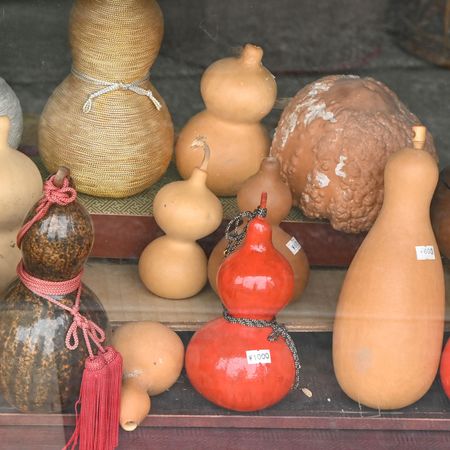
(238, 93)
(152, 361)
(390, 316)
(174, 266)
(20, 188)
(279, 203)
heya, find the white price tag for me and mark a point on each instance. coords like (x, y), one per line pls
(425, 252)
(258, 356)
(293, 245)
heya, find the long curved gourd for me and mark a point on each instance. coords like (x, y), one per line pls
(390, 316)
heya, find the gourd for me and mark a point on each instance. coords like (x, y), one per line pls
(444, 369)
(254, 282)
(106, 121)
(279, 202)
(389, 323)
(440, 212)
(174, 266)
(10, 106)
(20, 188)
(238, 93)
(333, 140)
(37, 371)
(152, 361)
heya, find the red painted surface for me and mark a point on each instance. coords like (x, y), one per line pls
(256, 281)
(217, 366)
(444, 370)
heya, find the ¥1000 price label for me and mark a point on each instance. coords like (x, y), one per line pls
(425, 252)
(258, 356)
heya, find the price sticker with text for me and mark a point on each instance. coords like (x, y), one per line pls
(293, 245)
(425, 252)
(258, 356)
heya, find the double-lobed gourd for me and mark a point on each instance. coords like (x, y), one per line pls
(174, 266)
(20, 188)
(389, 323)
(153, 357)
(238, 93)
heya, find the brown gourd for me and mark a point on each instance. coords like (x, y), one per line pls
(279, 203)
(440, 212)
(389, 321)
(174, 266)
(238, 93)
(153, 357)
(20, 188)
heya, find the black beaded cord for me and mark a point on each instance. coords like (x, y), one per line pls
(233, 235)
(278, 330)
(235, 238)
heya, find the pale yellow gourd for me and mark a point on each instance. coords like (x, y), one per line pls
(389, 321)
(174, 266)
(238, 93)
(153, 358)
(20, 188)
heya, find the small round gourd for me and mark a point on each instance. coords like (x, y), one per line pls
(152, 361)
(20, 188)
(238, 93)
(174, 266)
(389, 324)
(279, 202)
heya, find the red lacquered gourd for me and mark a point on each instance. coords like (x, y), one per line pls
(217, 366)
(444, 370)
(256, 281)
(241, 362)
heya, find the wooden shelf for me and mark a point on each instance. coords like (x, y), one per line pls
(126, 299)
(181, 418)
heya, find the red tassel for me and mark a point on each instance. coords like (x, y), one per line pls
(97, 425)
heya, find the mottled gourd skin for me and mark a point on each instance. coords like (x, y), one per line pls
(333, 140)
(37, 371)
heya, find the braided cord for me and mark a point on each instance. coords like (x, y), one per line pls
(233, 235)
(277, 331)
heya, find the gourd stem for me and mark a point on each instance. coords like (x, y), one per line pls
(419, 137)
(201, 141)
(252, 54)
(263, 203)
(63, 172)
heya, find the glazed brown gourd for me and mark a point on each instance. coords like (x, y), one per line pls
(20, 188)
(37, 371)
(153, 357)
(174, 266)
(279, 202)
(389, 321)
(238, 93)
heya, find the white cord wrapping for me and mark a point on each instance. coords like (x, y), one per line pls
(114, 86)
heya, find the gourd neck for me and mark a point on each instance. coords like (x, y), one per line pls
(4, 133)
(198, 177)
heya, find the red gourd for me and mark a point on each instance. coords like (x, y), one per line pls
(238, 366)
(444, 371)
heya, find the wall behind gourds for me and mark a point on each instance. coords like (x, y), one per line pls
(302, 39)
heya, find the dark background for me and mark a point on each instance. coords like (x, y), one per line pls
(302, 39)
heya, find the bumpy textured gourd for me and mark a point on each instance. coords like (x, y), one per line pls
(333, 140)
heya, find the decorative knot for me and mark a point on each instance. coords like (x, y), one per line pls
(234, 235)
(91, 332)
(110, 86)
(52, 195)
(277, 331)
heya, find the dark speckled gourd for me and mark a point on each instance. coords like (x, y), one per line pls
(37, 371)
